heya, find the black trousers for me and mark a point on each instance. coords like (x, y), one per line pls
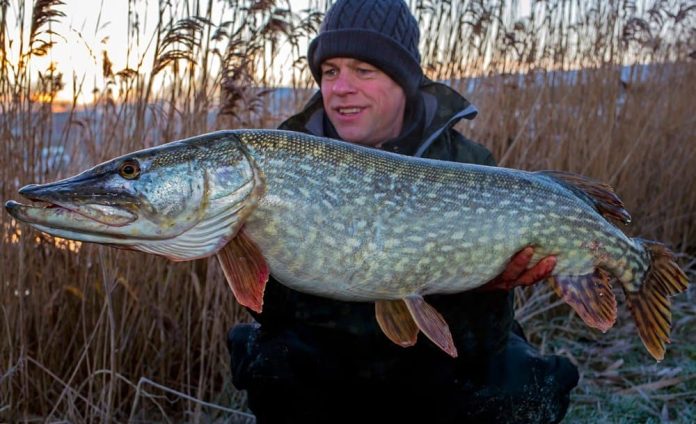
(301, 375)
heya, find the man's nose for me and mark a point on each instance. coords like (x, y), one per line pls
(343, 84)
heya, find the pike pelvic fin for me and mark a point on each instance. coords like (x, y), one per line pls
(590, 296)
(650, 305)
(431, 323)
(245, 269)
(396, 322)
(599, 194)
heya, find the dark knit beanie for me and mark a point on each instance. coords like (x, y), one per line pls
(383, 33)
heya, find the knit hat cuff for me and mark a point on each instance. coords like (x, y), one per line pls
(367, 46)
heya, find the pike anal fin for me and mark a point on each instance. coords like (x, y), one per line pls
(431, 323)
(650, 305)
(590, 296)
(396, 322)
(245, 269)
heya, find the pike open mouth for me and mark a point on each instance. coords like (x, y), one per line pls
(42, 213)
(65, 223)
(57, 207)
(69, 215)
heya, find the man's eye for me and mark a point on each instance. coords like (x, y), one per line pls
(330, 72)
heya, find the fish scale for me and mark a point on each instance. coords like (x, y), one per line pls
(348, 222)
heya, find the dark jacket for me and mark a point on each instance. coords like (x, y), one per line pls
(479, 321)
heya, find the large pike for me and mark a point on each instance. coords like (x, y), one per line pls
(352, 223)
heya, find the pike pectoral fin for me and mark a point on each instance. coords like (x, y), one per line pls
(431, 323)
(245, 269)
(396, 322)
(590, 296)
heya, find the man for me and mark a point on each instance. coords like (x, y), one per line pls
(313, 359)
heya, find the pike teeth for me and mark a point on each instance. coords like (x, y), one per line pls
(43, 205)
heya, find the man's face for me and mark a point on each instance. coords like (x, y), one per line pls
(362, 102)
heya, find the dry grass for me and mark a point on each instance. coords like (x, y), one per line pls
(94, 334)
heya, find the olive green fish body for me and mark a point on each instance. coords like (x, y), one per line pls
(342, 221)
(353, 223)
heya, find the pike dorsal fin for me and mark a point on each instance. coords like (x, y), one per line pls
(245, 269)
(598, 194)
(431, 323)
(396, 322)
(590, 296)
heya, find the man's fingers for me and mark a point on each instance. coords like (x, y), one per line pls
(518, 264)
(538, 272)
(517, 274)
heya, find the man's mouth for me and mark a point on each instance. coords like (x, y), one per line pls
(353, 110)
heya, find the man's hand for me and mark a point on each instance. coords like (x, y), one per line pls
(517, 274)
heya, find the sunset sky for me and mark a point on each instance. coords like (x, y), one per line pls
(88, 28)
(91, 27)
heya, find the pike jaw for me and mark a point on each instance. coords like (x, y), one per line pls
(183, 200)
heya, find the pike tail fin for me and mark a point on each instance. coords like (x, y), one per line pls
(650, 304)
(598, 194)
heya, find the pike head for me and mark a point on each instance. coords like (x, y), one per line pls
(183, 200)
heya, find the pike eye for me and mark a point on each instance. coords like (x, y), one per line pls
(129, 169)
